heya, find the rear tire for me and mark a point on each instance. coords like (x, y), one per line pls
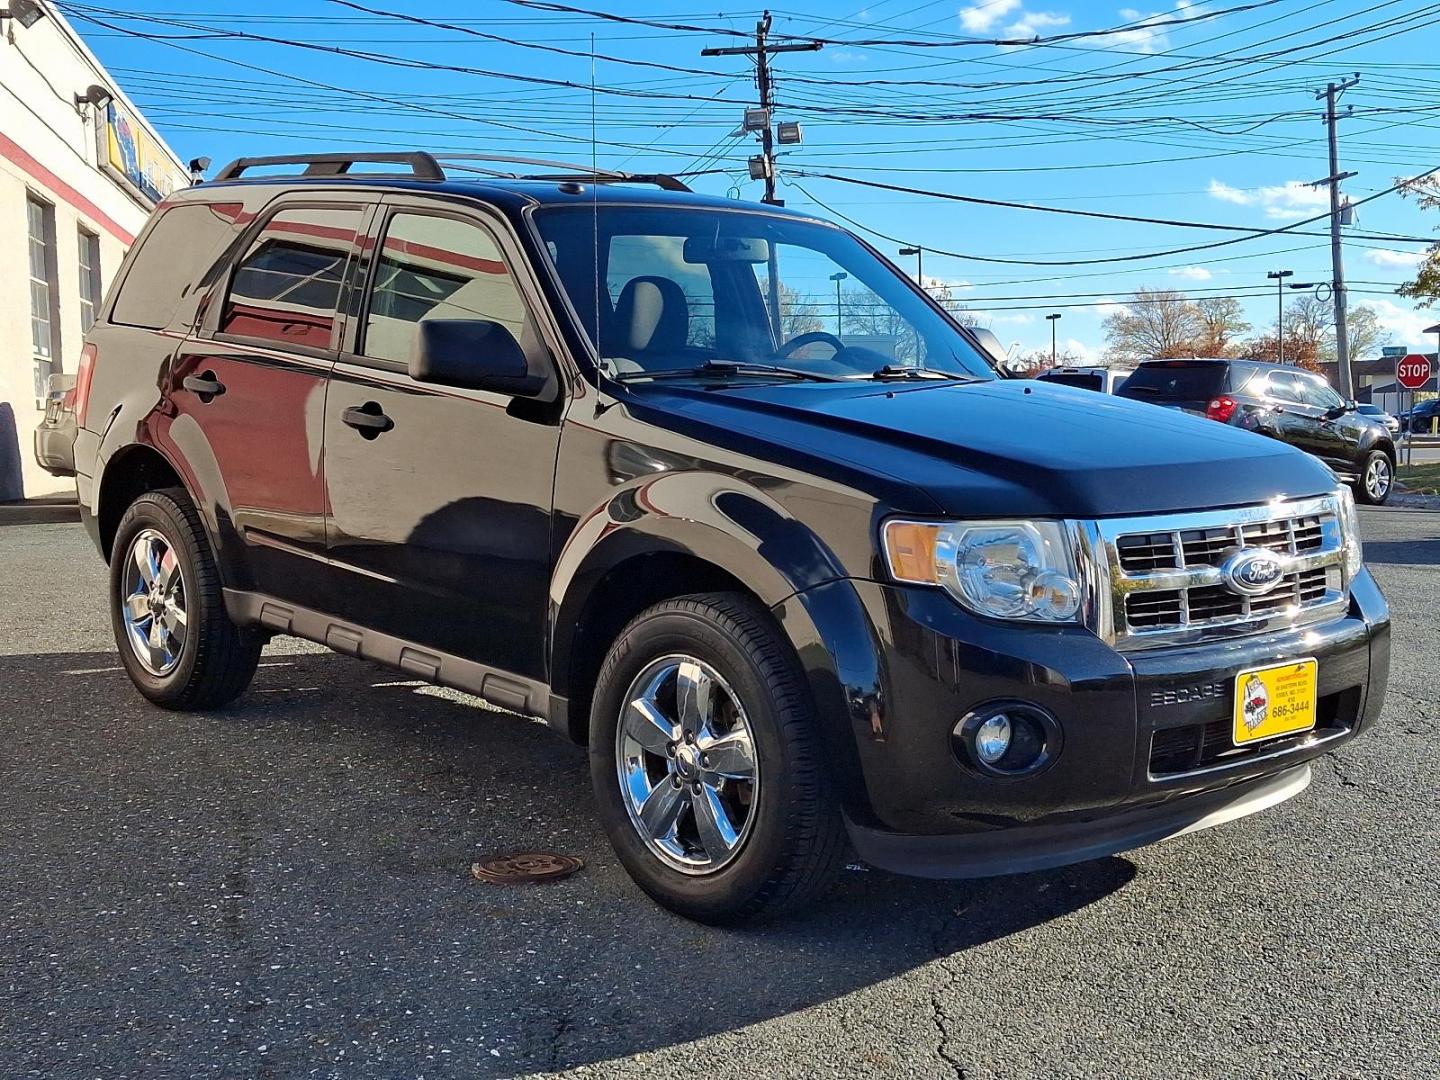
(743, 822)
(178, 645)
(1377, 478)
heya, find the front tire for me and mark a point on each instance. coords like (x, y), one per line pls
(707, 764)
(178, 645)
(1377, 478)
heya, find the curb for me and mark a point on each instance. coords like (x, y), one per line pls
(57, 510)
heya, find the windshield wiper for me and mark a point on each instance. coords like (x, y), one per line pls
(726, 367)
(913, 371)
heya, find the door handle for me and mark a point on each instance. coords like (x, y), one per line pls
(206, 385)
(368, 419)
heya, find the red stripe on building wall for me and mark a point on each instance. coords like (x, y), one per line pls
(9, 148)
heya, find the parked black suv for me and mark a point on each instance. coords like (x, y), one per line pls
(577, 445)
(1284, 403)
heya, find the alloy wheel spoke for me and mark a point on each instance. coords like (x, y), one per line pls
(145, 562)
(712, 822)
(648, 726)
(693, 690)
(137, 607)
(731, 756)
(661, 809)
(176, 624)
(167, 566)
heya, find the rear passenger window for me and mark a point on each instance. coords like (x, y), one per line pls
(172, 261)
(437, 268)
(287, 287)
(1283, 388)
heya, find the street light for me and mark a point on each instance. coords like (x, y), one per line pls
(837, 278)
(1279, 276)
(26, 12)
(1052, 319)
(919, 254)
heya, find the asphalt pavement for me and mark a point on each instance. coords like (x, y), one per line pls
(282, 889)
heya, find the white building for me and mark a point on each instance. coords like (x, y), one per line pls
(80, 170)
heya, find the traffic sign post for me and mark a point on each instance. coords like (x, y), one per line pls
(1412, 371)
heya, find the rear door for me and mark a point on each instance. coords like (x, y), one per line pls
(1297, 420)
(440, 498)
(253, 382)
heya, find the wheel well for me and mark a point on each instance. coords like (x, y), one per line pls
(624, 592)
(130, 474)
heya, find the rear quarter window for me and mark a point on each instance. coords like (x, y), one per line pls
(1182, 382)
(171, 261)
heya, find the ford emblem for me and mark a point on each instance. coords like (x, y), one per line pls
(1253, 571)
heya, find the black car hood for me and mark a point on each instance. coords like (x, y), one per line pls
(1007, 447)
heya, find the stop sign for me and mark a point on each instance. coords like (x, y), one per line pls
(1413, 371)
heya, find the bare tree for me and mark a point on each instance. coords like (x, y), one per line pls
(1222, 324)
(1153, 324)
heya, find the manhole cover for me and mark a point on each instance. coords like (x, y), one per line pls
(524, 867)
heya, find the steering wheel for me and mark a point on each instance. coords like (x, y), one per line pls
(799, 341)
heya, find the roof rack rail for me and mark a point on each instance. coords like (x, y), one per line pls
(423, 166)
(565, 170)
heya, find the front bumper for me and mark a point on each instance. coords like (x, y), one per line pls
(1146, 750)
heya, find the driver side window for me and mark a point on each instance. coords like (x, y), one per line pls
(1282, 387)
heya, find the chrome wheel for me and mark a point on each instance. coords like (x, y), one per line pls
(152, 603)
(687, 764)
(1377, 477)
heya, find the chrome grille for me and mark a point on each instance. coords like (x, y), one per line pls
(1168, 585)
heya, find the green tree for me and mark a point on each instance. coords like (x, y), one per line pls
(1425, 285)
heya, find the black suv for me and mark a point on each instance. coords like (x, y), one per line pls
(1422, 419)
(595, 449)
(1284, 403)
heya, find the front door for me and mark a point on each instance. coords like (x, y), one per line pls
(440, 498)
(252, 385)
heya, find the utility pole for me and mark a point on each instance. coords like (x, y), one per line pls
(1279, 276)
(1331, 94)
(763, 167)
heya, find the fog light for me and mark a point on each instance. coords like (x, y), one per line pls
(1007, 739)
(992, 739)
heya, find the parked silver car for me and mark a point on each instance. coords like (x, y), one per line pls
(55, 436)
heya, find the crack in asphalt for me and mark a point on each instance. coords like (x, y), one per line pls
(1340, 774)
(938, 1016)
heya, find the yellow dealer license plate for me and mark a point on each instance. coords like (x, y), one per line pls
(1274, 700)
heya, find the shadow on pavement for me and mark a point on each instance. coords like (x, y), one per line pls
(1424, 552)
(282, 888)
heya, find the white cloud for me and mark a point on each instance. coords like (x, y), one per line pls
(1279, 201)
(1032, 23)
(1144, 36)
(1387, 257)
(1406, 327)
(1109, 306)
(980, 17)
(1083, 352)
(1194, 273)
(1009, 319)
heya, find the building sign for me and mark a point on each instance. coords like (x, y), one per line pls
(130, 155)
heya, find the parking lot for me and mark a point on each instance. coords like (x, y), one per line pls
(283, 889)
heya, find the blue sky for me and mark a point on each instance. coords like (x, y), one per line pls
(1210, 120)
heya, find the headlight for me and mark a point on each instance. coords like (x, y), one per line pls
(1350, 534)
(1004, 569)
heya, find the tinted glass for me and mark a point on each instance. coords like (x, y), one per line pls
(437, 268)
(684, 286)
(1371, 410)
(1175, 382)
(1085, 380)
(181, 247)
(287, 286)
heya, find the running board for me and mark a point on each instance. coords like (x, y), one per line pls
(502, 689)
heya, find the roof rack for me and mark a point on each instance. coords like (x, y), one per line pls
(424, 166)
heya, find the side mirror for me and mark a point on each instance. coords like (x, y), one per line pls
(474, 354)
(1337, 411)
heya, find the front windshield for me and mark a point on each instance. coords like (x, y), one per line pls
(681, 288)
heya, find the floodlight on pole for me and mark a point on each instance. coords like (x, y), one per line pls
(789, 133)
(26, 12)
(1279, 276)
(919, 254)
(837, 278)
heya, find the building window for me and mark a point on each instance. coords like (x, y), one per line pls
(43, 336)
(89, 279)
